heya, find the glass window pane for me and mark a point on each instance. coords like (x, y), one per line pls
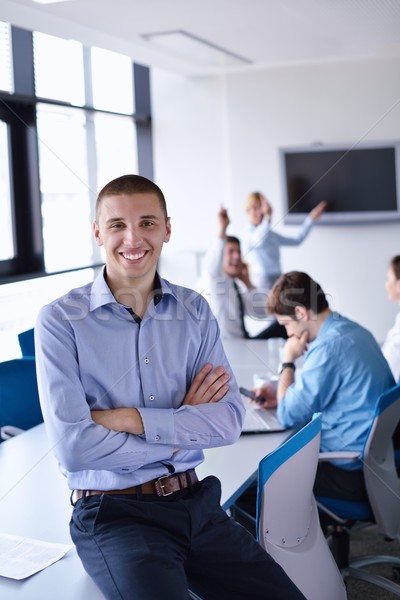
(6, 71)
(7, 249)
(112, 81)
(115, 147)
(66, 198)
(59, 70)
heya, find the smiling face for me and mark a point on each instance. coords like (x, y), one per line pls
(232, 260)
(133, 229)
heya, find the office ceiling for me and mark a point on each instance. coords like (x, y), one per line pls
(263, 33)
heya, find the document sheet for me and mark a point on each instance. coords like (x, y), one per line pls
(21, 557)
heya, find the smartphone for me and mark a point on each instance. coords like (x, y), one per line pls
(247, 393)
(251, 395)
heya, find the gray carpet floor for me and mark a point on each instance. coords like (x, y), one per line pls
(368, 541)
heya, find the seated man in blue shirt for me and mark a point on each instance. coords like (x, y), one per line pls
(134, 384)
(343, 374)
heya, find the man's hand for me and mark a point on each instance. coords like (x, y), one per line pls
(223, 222)
(244, 276)
(209, 385)
(295, 347)
(126, 420)
(265, 396)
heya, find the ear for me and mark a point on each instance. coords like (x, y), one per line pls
(168, 230)
(96, 232)
(301, 313)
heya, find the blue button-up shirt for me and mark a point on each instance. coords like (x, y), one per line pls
(343, 375)
(92, 354)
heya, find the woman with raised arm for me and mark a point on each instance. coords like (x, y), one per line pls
(261, 248)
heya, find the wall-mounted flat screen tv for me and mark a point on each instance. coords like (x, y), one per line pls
(360, 183)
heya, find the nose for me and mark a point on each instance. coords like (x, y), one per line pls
(132, 236)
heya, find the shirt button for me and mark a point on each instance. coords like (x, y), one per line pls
(151, 397)
(157, 438)
(146, 360)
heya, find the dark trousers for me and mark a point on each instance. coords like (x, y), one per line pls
(275, 330)
(149, 549)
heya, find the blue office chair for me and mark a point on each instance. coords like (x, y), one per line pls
(19, 397)
(287, 516)
(383, 488)
(26, 342)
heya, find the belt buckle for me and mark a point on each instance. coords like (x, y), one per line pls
(162, 487)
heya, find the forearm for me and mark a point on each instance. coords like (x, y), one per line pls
(286, 379)
(124, 420)
(212, 262)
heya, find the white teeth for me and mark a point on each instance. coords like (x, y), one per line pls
(133, 256)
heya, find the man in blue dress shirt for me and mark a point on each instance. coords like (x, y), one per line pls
(134, 384)
(343, 374)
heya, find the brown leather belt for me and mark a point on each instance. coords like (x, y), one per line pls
(162, 486)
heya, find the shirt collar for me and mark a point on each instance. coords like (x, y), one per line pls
(102, 295)
(333, 316)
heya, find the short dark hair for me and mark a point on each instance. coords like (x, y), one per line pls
(395, 265)
(131, 184)
(296, 289)
(231, 239)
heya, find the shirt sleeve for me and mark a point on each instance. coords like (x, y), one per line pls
(212, 261)
(256, 235)
(391, 349)
(296, 240)
(204, 425)
(79, 443)
(314, 388)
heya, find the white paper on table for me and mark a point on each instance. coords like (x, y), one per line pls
(21, 557)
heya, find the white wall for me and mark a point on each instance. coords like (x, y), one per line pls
(219, 138)
(189, 128)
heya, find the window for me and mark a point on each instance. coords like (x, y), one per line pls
(112, 81)
(58, 69)
(64, 187)
(115, 147)
(7, 250)
(6, 74)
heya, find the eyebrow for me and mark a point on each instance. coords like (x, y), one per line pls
(142, 217)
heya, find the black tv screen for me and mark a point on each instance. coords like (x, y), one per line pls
(359, 184)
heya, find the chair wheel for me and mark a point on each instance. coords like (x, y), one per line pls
(396, 573)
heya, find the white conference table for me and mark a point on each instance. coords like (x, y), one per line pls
(34, 498)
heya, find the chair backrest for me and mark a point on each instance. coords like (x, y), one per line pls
(380, 474)
(19, 397)
(287, 517)
(27, 342)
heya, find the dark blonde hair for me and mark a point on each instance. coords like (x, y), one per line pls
(296, 289)
(253, 197)
(131, 184)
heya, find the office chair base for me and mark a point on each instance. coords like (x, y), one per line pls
(378, 580)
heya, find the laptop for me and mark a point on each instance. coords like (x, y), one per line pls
(259, 420)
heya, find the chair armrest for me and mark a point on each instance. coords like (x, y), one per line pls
(325, 456)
